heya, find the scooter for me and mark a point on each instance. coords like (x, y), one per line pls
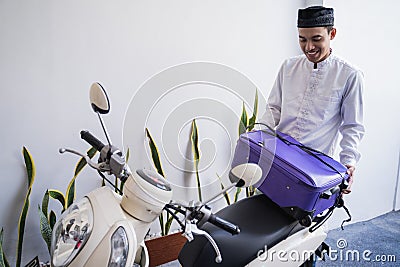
(107, 229)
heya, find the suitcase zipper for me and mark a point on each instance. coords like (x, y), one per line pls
(286, 163)
(312, 185)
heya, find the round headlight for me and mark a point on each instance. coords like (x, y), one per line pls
(71, 232)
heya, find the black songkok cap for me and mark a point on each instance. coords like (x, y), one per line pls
(315, 16)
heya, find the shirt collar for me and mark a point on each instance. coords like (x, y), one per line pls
(323, 63)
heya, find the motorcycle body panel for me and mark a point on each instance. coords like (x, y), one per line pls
(291, 252)
(108, 217)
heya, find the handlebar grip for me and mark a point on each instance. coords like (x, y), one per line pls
(92, 140)
(223, 224)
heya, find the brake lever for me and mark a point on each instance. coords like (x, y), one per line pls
(103, 167)
(191, 228)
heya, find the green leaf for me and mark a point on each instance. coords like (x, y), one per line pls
(58, 195)
(169, 223)
(52, 219)
(243, 120)
(195, 141)
(250, 191)
(226, 196)
(161, 221)
(121, 187)
(116, 185)
(29, 165)
(70, 194)
(194, 137)
(3, 259)
(238, 190)
(31, 172)
(45, 203)
(21, 227)
(128, 153)
(45, 228)
(2, 256)
(82, 162)
(253, 118)
(154, 154)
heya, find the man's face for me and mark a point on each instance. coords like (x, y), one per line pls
(315, 42)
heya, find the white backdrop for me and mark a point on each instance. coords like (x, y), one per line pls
(362, 36)
(50, 53)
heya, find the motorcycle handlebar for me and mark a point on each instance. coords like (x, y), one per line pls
(92, 140)
(223, 224)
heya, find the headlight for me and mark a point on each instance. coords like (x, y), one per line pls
(71, 232)
(119, 248)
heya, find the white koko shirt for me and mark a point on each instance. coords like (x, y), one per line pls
(314, 105)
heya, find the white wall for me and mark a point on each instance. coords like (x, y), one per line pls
(52, 51)
(368, 37)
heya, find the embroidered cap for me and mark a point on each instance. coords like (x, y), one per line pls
(315, 16)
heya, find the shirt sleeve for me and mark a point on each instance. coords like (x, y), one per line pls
(352, 128)
(272, 113)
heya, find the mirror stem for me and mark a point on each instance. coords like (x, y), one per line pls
(219, 193)
(104, 128)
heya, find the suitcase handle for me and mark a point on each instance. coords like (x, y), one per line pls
(330, 192)
(310, 151)
(275, 134)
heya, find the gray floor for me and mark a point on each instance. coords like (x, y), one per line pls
(371, 243)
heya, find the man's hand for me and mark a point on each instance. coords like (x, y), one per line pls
(350, 172)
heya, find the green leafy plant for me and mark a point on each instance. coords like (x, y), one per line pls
(3, 259)
(48, 219)
(46, 222)
(31, 172)
(155, 156)
(246, 124)
(194, 137)
(226, 195)
(165, 226)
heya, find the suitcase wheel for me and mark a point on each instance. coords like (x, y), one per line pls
(306, 221)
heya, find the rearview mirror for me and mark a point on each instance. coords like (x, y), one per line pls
(245, 175)
(99, 99)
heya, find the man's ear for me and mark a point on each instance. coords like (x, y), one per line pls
(332, 34)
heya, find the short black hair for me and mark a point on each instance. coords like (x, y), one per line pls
(329, 28)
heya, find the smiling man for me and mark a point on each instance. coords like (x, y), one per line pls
(318, 95)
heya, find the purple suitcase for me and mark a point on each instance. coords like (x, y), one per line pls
(303, 181)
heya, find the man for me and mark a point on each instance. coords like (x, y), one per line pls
(317, 95)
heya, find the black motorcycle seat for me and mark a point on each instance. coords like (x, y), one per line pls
(262, 224)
